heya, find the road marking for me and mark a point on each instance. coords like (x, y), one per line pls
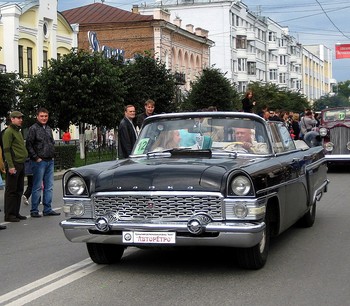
(47, 284)
(84, 267)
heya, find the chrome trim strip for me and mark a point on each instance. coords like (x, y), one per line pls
(338, 157)
(157, 193)
(319, 190)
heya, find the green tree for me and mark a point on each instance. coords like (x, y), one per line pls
(147, 78)
(330, 101)
(343, 89)
(80, 87)
(211, 88)
(273, 97)
(10, 84)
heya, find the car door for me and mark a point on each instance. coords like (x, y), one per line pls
(293, 203)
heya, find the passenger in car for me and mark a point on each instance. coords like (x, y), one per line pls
(245, 138)
(167, 140)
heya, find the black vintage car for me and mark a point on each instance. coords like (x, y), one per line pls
(223, 179)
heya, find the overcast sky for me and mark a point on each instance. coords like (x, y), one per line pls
(310, 21)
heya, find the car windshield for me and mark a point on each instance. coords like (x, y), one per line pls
(225, 133)
(336, 114)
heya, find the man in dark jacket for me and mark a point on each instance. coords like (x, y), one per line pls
(149, 111)
(41, 149)
(15, 155)
(126, 132)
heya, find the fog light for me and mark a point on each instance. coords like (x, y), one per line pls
(101, 224)
(240, 210)
(77, 209)
(329, 146)
(195, 227)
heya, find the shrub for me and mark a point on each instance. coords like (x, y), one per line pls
(65, 156)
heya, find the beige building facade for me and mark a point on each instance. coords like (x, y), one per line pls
(31, 33)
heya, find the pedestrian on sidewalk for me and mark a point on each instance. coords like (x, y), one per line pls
(41, 149)
(29, 174)
(2, 170)
(15, 155)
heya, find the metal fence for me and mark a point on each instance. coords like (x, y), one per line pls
(94, 153)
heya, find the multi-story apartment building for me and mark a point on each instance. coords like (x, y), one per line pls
(317, 71)
(31, 33)
(184, 50)
(249, 47)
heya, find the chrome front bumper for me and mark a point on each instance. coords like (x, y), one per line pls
(337, 157)
(228, 234)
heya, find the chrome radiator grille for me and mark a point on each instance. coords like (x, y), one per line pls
(340, 136)
(155, 207)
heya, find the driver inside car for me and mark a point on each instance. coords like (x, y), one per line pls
(245, 139)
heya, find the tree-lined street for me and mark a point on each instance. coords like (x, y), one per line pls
(305, 267)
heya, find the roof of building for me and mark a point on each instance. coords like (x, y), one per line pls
(101, 13)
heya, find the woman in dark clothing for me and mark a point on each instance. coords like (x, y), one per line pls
(248, 103)
(296, 126)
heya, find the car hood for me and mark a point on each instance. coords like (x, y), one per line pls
(167, 174)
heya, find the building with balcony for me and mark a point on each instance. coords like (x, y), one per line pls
(31, 33)
(248, 47)
(183, 50)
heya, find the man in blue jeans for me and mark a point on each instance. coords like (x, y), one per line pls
(41, 149)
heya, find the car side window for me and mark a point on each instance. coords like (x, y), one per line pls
(282, 141)
(287, 141)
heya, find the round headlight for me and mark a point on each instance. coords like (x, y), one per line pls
(240, 210)
(323, 132)
(348, 146)
(76, 185)
(241, 185)
(77, 209)
(329, 146)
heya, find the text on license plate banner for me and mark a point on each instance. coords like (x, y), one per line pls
(149, 237)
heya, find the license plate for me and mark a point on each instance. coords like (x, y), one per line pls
(149, 237)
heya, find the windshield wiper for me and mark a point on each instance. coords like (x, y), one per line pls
(180, 152)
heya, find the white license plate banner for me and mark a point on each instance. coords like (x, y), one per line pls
(149, 237)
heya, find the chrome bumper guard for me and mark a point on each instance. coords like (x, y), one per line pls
(230, 234)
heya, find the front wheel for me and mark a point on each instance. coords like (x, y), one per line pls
(254, 258)
(105, 253)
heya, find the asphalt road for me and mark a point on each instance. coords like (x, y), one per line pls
(38, 266)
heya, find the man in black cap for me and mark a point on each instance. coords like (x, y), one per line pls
(15, 155)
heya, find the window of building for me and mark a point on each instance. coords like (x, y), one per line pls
(282, 78)
(30, 61)
(45, 63)
(272, 36)
(251, 68)
(20, 60)
(283, 60)
(242, 64)
(242, 86)
(241, 42)
(237, 21)
(273, 74)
